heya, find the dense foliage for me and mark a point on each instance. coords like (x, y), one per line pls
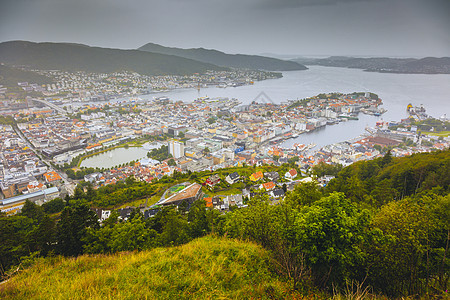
(160, 154)
(380, 181)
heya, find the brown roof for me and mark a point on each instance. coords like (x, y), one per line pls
(186, 193)
(382, 141)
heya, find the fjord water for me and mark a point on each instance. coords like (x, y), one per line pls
(396, 91)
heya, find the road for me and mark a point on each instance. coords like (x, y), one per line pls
(51, 105)
(68, 183)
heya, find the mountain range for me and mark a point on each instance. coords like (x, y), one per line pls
(227, 60)
(427, 65)
(78, 57)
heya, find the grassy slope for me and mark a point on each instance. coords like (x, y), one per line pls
(207, 268)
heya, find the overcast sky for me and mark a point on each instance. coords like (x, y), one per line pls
(307, 27)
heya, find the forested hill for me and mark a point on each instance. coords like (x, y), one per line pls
(227, 60)
(378, 182)
(427, 65)
(77, 57)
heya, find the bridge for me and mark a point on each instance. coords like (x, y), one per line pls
(51, 105)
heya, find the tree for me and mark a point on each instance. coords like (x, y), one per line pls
(413, 252)
(387, 158)
(331, 232)
(211, 120)
(131, 235)
(181, 134)
(54, 206)
(72, 228)
(293, 160)
(303, 194)
(171, 162)
(32, 211)
(175, 229)
(45, 236)
(322, 169)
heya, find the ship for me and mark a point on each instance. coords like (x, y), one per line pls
(416, 111)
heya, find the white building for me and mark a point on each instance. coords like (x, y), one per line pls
(176, 148)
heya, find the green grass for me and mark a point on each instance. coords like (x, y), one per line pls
(442, 133)
(176, 188)
(206, 268)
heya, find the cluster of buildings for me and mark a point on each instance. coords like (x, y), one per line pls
(82, 86)
(23, 176)
(206, 134)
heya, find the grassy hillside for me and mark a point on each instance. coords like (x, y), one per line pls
(76, 57)
(227, 60)
(207, 268)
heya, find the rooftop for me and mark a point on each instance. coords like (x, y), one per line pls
(186, 193)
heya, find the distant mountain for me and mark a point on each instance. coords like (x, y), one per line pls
(227, 60)
(428, 65)
(77, 57)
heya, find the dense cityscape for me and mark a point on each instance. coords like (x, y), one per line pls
(45, 140)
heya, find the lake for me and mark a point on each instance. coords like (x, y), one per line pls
(114, 157)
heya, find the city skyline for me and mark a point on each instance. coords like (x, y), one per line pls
(400, 28)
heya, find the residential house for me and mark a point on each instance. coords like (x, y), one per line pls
(232, 178)
(268, 186)
(274, 176)
(277, 193)
(257, 176)
(291, 174)
(212, 180)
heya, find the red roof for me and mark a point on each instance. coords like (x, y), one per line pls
(292, 172)
(269, 185)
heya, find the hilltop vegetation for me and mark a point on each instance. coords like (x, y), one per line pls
(207, 268)
(218, 58)
(381, 181)
(382, 226)
(77, 57)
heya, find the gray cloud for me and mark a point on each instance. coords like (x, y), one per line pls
(303, 3)
(321, 27)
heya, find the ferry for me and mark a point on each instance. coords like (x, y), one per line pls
(417, 111)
